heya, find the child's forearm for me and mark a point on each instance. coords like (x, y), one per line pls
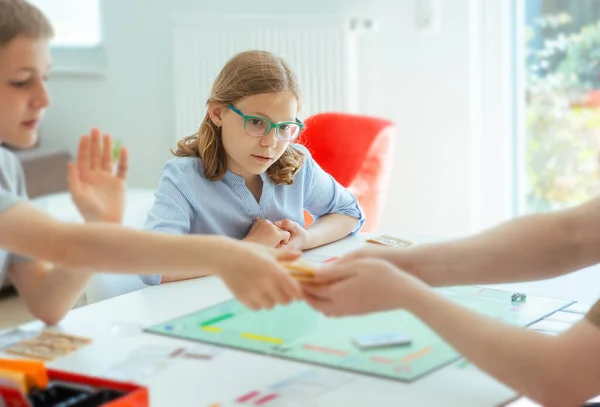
(133, 251)
(92, 247)
(48, 292)
(534, 247)
(329, 228)
(531, 363)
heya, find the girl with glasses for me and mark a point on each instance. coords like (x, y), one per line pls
(242, 175)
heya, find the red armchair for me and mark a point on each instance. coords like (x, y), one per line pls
(358, 153)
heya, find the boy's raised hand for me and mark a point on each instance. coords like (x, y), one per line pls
(97, 190)
(362, 286)
(255, 275)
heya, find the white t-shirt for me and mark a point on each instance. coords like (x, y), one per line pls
(12, 190)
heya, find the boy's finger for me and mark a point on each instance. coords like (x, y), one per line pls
(73, 178)
(83, 153)
(123, 164)
(107, 153)
(250, 303)
(96, 153)
(266, 300)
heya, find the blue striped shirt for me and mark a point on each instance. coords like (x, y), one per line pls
(187, 202)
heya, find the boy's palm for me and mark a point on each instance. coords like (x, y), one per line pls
(96, 190)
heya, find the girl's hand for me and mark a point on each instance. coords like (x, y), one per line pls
(267, 234)
(298, 235)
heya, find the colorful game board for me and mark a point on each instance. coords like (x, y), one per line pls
(297, 332)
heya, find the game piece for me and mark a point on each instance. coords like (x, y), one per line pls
(35, 370)
(518, 297)
(381, 340)
(388, 240)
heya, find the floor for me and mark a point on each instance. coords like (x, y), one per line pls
(13, 311)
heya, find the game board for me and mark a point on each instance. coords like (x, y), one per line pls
(298, 333)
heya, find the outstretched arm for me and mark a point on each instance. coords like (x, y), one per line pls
(529, 248)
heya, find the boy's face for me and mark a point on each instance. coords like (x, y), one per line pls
(24, 66)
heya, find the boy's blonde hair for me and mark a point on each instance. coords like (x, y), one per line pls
(19, 17)
(246, 74)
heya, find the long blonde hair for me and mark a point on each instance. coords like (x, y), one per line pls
(246, 74)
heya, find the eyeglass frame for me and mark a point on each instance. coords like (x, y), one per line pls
(272, 125)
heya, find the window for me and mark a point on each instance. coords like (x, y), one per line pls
(77, 44)
(560, 118)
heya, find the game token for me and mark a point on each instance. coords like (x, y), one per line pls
(388, 240)
(381, 340)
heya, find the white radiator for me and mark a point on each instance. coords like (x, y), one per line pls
(321, 50)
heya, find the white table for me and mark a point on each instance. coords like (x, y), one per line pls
(233, 373)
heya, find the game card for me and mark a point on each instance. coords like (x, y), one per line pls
(301, 270)
(48, 345)
(388, 240)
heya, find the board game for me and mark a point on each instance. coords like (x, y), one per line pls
(297, 332)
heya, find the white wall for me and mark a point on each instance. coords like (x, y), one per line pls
(420, 81)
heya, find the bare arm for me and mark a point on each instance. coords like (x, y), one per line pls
(529, 248)
(253, 273)
(88, 247)
(48, 292)
(329, 228)
(561, 371)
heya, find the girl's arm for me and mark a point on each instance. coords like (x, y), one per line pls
(329, 228)
(336, 210)
(171, 213)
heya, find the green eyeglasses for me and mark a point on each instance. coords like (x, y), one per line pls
(257, 126)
